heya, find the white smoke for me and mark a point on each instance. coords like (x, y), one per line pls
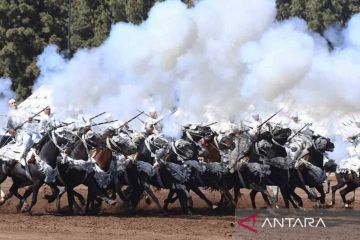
(5, 95)
(214, 61)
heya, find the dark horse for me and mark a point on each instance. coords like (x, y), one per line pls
(311, 172)
(74, 176)
(272, 152)
(348, 178)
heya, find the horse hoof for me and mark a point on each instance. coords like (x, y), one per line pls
(2, 201)
(346, 205)
(25, 210)
(214, 206)
(147, 200)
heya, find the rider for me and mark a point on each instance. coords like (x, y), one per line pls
(153, 124)
(23, 130)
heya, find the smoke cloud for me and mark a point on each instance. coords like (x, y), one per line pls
(214, 61)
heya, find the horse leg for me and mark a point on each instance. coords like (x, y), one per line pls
(266, 199)
(297, 198)
(101, 193)
(353, 198)
(71, 199)
(183, 200)
(14, 190)
(229, 197)
(55, 192)
(252, 197)
(334, 189)
(320, 189)
(349, 188)
(202, 196)
(121, 194)
(152, 195)
(169, 199)
(328, 186)
(2, 194)
(285, 192)
(36, 186)
(27, 193)
(58, 198)
(89, 201)
(237, 193)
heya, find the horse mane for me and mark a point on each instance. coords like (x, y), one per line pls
(316, 157)
(49, 153)
(79, 151)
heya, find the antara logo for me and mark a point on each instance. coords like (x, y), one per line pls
(281, 223)
(251, 217)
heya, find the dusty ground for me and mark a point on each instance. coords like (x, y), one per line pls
(147, 223)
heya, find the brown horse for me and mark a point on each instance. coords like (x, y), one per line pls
(102, 157)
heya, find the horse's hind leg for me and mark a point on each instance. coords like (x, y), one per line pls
(328, 186)
(349, 188)
(202, 196)
(237, 193)
(334, 189)
(79, 197)
(58, 198)
(252, 197)
(55, 192)
(152, 195)
(169, 199)
(36, 186)
(27, 193)
(320, 189)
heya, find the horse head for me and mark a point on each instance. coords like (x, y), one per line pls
(122, 143)
(280, 135)
(324, 144)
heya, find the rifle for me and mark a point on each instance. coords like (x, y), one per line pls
(143, 112)
(131, 119)
(63, 125)
(208, 125)
(162, 118)
(36, 114)
(97, 116)
(308, 124)
(269, 118)
(97, 124)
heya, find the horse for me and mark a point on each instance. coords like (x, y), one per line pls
(76, 169)
(202, 138)
(348, 178)
(48, 163)
(268, 147)
(311, 172)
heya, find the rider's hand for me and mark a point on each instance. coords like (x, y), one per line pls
(12, 131)
(30, 119)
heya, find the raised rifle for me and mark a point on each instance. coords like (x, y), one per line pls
(163, 117)
(308, 124)
(36, 114)
(143, 112)
(97, 116)
(268, 119)
(210, 124)
(102, 123)
(131, 119)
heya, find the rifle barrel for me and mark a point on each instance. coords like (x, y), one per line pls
(97, 115)
(269, 118)
(22, 124)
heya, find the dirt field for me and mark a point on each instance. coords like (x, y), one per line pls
(147, 223)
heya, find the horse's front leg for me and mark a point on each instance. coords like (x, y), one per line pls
(36, 186)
